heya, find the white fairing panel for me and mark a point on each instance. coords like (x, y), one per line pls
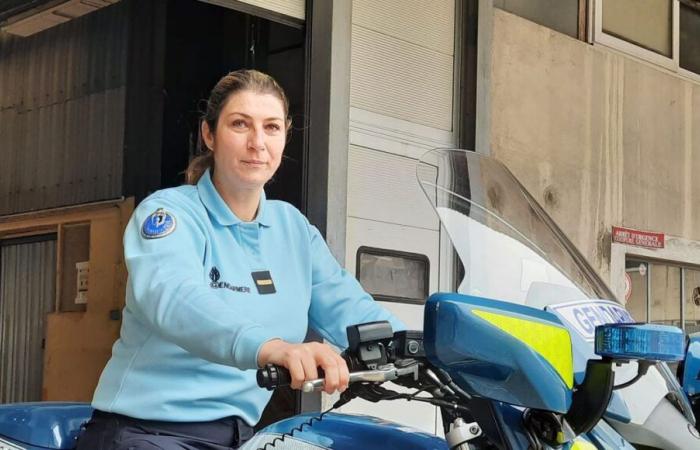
(642, 397)
(665, 428)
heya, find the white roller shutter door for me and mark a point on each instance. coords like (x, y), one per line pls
(403, 60)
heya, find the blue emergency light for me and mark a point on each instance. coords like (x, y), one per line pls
(637, 341)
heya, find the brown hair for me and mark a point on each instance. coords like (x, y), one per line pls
(230, 84)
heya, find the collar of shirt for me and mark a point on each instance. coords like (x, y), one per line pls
(219, 210)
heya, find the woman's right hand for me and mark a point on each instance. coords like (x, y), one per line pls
(303, 361)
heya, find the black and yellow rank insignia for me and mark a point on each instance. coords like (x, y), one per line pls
(264, 283)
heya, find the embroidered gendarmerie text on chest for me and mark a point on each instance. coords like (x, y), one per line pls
(214, 276)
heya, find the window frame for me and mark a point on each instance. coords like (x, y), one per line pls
(684, 72)
(683, 266)
(376, 251)
(599, 37)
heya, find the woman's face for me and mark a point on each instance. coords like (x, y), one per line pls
(249, 140)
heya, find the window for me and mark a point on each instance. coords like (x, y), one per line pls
(559, 15)
(661, 292)
(689, 37)
(665, 32)
(637, 293)
(646, 23)
(691, 292)
(665, 294)
(390, 275)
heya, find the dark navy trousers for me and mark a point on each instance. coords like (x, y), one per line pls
(108, 431)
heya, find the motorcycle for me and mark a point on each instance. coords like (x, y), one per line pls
(525, 354)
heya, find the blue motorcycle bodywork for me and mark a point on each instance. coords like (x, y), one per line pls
(55, 426)
(44, 425)
(691, 372)
(488, 362)
(583, 351)
(346, 432)
(508, 372)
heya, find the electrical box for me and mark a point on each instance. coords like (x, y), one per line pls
(82, 270)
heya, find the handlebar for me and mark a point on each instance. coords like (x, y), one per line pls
(271, 377)
(380, 375)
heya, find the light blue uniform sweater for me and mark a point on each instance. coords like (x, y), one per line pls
(194, 319)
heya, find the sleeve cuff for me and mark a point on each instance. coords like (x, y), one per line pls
(247, 347)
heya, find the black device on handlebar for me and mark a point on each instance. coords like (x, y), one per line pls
(369, 342)
(369, 347)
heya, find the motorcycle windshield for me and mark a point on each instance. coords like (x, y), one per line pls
(509, 248)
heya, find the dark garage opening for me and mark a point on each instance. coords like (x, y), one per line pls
(204, 42)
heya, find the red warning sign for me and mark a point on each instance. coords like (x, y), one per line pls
(645, 239)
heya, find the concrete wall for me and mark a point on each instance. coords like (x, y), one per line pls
(599, 138)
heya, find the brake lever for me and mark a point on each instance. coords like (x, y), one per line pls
(381, 374)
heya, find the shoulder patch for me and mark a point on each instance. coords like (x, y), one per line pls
(159, 224)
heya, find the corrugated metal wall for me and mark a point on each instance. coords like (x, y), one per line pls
(27, 291)
(10, 8)
(62, 112)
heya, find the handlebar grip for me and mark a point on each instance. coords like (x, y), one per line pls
(271, 377)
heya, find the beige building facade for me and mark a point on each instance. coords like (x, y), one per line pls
(603, 139)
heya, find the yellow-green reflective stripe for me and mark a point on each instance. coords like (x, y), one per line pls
(553, 343)
(560, 437)
(580, 444)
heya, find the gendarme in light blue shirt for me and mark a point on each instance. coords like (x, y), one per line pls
(194, 319)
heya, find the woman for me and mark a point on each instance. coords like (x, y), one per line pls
(222, 281)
